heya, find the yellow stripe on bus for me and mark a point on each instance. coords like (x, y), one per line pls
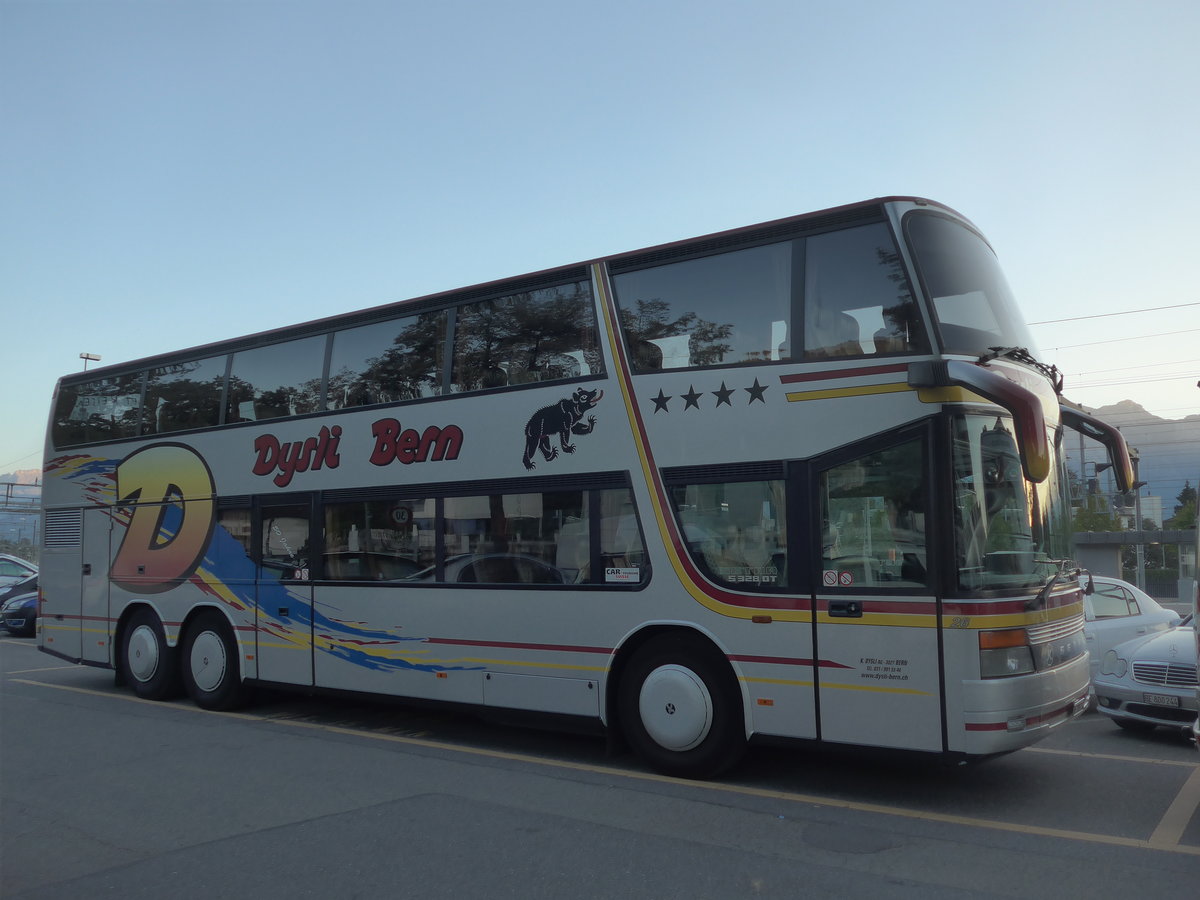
(861, 391)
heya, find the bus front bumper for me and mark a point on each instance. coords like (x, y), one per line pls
(1003, 714)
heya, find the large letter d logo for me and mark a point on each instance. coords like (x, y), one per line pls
(170, 490)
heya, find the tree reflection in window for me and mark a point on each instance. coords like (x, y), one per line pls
(185, 395)
(857, 301)
(659, 342)
(542, 335)
(387, 362)
(726, 308)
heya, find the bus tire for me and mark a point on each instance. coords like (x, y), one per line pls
(210, 663)
(147, 662)
(681, 709)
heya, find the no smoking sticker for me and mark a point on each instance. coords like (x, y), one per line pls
(832, 578)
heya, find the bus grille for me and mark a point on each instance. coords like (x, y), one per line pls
(1167, 674)
(1052, 631)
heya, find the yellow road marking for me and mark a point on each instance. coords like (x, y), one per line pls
(1165, 837)
(1170, 829)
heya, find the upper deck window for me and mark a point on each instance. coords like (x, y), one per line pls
(276, 380)
(540, 335)
(846, 289)
(730, 308)
(386, 362)
(185, 395)
(99, 410)
(856, 296)
(974, 306)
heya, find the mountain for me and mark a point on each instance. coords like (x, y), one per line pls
(1169, 449)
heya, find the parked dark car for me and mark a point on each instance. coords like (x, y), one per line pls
(28, 584)
(19, 614)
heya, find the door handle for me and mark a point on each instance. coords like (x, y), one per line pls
(845, 609)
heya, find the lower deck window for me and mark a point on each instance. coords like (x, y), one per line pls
(559, 537)
(379, 540)
(736, 531)
(536, 537)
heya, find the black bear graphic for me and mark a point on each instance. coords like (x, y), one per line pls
(563, 419)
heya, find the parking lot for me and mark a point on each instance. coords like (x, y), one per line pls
(102, 791)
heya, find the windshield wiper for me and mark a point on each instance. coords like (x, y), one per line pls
(1021, 354)
(1039, 602)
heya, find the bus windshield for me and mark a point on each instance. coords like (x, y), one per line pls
(972, 302)
(1010, 533)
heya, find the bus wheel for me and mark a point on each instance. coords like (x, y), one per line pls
(210, 663)
(680, 708)
(147, 662)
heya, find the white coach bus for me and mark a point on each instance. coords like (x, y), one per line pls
(798, 480)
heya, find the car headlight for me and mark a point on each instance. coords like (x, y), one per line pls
(1113, 665)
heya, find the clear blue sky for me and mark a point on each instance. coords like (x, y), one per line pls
(180, 172)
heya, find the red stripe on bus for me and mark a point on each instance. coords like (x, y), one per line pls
(517, 645)
(1029, 720)
(789, 661)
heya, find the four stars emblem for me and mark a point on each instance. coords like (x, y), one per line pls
(691, 400)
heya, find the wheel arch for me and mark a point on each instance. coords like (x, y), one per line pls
(654, 631)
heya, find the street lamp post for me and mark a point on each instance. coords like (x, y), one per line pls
(86, 357)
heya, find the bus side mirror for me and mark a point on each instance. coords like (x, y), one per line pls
(1113, 441)
(1030, 415)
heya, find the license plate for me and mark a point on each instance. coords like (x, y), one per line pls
(1161, 699)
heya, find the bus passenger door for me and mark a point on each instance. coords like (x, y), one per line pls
(283, 596)
(878, 673)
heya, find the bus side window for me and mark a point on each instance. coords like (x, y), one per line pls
(553, 537)
(545, 334)
(856, 296)
(284, 537)
(873, 515)
(732, 307)
(736, 531)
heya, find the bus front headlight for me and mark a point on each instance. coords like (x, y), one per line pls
(1004, 653)
(1005, 661)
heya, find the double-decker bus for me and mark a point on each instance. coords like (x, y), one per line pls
(800, 480)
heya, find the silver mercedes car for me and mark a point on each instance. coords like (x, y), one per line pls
(1151, 681)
